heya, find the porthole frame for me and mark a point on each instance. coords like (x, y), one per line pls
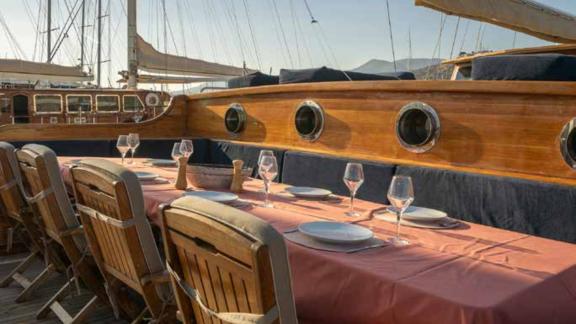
(242, 117)
(432, 138)
(318, 113)
(568, 143)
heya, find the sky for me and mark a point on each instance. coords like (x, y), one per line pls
(265, 34)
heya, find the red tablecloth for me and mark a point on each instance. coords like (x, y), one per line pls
(473, 274)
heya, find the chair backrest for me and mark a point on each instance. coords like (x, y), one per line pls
(45, 190)
(111, 205)
(233, 261)
(10, 195)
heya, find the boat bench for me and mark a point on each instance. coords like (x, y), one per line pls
(541, 209)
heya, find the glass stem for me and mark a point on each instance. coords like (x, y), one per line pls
(123, 155)
(352, 194)
(131, 156)
(398, 218)
(266, 191)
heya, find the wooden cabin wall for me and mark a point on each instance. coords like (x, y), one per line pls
(502, 128)
(170, 124)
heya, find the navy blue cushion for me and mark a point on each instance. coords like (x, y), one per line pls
(75, 147)
(324, 74)
(315, 170)
(535, 67)
(530, 207)
(222, 152)
(402, 75)
(253, 80)
(162, 149)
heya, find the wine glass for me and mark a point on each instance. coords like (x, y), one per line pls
(264, 153)
(176, 152)
(186, 148)
(122, 146)
(133, 142)
(268, 170)
(353, 178)
(400, 195)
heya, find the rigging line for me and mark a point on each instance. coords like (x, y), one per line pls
(305, 42)
(409, 49)
(220, 33)
(167, 23)
(322, 39)
(454, 39)
(16, 48)
(478, 35)
(246, 10)
(293, 16)
(192, 23)
(211, 37)
(73, 20)
(329, 47)
(37, 37)
(235, 28)
(310, 12)
(464, 36)
(391, 36)
(277, 15)
(514, 40)
(64, 32)
(240, 37)
(181, 25)
(437, 47)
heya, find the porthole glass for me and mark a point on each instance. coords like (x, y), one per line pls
(417, 127)
(568, 143)
(235, 119)
(309, 120)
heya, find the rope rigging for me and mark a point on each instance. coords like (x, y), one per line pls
(283, 34)
(252, 37)
(391, 35)
(454, 39)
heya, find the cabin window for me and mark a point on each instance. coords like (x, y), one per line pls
(48, 104)
(107, 104)
(309, 120)
(79, 103)
(132, 103)
(5, 104)
(417, 127)
(235, 119)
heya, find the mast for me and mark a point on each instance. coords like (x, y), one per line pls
(99, 48)
(82, 34)
(49, 32)
(132, 34)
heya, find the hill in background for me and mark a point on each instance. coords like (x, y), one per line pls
(423, 68)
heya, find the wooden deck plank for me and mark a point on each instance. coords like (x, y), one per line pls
(12, 313)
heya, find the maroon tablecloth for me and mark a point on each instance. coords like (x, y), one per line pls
(472, 274)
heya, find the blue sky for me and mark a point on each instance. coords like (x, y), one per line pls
(350, 32)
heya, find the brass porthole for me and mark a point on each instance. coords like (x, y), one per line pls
(235, 119)
(417, 127)
(309, 120)
(568, 143)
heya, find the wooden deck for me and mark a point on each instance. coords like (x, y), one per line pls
(11, 312)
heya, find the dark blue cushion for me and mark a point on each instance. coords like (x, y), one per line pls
(534, 67)
(402, 75)
(253, 80)
(530, 207)
(75, 147)
(222, 152)
(324, 74)
(162, 149)
(315, 170)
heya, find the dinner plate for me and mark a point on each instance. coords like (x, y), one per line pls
(422, 214)
(308, 192)
(217, 196)
(336, 232)
(162, 162)
(146, 176)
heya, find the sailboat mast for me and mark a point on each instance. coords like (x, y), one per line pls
(82, 34)
(132, 34)
(49, 32)
(99, 47)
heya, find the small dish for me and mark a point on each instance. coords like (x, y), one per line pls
(216, 196)
(308, 192)
(336, 232)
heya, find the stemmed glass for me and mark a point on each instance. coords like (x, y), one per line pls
(400, 195)
(353, 178)
(133, 142)
(186, 148)
(262, 154)
(268, 170)
(176, 152)
(122, 146)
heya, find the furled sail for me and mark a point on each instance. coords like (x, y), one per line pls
(152, 61)
(525, 16)
(11, 69)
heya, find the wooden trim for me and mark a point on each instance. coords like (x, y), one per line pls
(561, 48)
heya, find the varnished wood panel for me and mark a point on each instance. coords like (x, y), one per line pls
(492, 127)
(171, 124)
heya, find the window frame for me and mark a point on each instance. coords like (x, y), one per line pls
(36, 112)
(108, 112)
(80, 111)
(124, 103)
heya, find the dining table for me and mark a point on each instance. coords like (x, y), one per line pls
(468, 274)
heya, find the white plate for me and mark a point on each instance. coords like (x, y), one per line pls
(162, 162)
(422, 214)
(217, 196)
(335, 232)
(308, 192)
(146, 176)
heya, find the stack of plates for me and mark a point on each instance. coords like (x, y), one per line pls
(216, 196)
(309, 192)
(336, 232)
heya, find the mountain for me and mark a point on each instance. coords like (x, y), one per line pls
(382, 66)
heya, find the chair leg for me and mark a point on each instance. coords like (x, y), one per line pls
(30, 287)
(53, 305)
(140, 317)
(61, 294)
(90, 306)
(19, 269)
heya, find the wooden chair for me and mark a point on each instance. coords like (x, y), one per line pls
(226, 265)
(26, 224)
(42, 178)
(110, 202)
